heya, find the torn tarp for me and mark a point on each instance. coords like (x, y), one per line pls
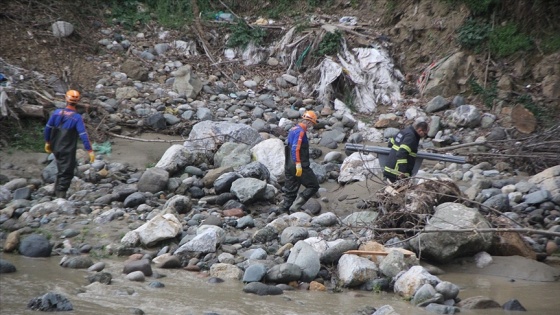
(371, 70)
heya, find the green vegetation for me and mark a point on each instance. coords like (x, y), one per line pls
(171, 13)
(506, 40)
(503, 41)
(551, 43)
(391, 6)
(47, 234)
(330, 44)
(242, 34)
(478, 7)
(545, 117)
(488, 94)
(25, 136)
(101, 253)
(83, 234)
(473, 34)
(129, 13)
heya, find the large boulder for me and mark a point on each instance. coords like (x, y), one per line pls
(444, 246)
(407, 283)
(357, 167)
(177, 157)
(35, 245)
(232, 154)
(354, 270)
(443, 79)
(270, 152)
(549, 179)
(161, 227)
(207, 136)
(153, 180)
(186, 82)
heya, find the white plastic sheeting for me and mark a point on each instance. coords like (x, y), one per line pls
(371, 70)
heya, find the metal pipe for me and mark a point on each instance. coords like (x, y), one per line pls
(423, 155)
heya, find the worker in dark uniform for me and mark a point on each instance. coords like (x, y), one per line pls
(61, 137)
(297, 167)
(402, 156)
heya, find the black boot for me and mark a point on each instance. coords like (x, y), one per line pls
(283, 207)
(60, 194)
(300, 201)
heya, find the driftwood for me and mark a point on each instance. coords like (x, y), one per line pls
(532, 153)
(458, 146)
(370, 252)
(496, 230)
(141, 140)
(34, 111)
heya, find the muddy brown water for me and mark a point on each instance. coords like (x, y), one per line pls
(187, 293)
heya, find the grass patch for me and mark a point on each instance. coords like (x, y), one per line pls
(506, 40)
(488, 94)
(543, 116)
(330, 44)
(242, 35)
(551, 44)
(129, 13)
(27, 136)
(473, 35)
(479, 7)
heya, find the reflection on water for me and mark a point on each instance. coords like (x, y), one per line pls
(186, 293)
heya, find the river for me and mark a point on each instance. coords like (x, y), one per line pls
(188, 293)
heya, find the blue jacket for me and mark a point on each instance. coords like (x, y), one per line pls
(63, 128)
(297, 148)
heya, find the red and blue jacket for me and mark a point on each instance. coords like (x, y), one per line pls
(63, 129)
(298, 146)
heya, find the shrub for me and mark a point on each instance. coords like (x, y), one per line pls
(545, 116)
(242, 35)
(505, 40)
(27, 136)
(477, 7)
(329, 44)
(488, 94)
(551, 44)
(129, 12)
(473, 35)
(480, 7)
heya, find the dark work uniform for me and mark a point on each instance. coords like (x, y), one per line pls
(402, 155)
(62, 132)
(297, 151)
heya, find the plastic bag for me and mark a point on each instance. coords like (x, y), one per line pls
(102, 148)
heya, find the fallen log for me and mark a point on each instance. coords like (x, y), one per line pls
(28, 110)
(370, 252)
(487, 230)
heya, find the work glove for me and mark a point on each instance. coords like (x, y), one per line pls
(48, 147)
(299, 170)
(91, 156)
(402, 176)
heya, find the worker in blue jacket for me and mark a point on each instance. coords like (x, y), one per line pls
(297, 167)
(61, 136)
(404, 147)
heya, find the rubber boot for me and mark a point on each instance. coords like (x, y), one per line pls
(300, 201)
(283, 207)
(60, 194)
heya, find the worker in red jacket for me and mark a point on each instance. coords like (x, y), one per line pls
(404, 147)
(297, 167)
(61, 136)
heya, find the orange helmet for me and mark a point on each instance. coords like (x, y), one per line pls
(73, 96)
(311, 116)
